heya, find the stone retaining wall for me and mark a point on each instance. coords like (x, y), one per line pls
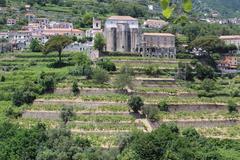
(195, 107)
(89, 104)
(204, 123)
(90, 91)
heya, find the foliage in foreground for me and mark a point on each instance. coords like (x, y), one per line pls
(167, 143)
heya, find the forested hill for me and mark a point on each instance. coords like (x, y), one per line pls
(226, 8)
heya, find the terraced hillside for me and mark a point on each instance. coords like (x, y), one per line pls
(101, 111)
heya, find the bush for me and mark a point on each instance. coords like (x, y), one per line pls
(152, 70)
(22, 96)
(135, 103)
(82, 59)
(163, 106)
(47, 82)
(67, 114)
(208, 85)
(190, 133)
(123, 80)
(75, 88)
(232, 107)
(107, 65)
(84, 70)
(36, 46)
(126, 70)
(235, 92)
(2, 79)
(100, 75)
(12, 114)
(151, 112)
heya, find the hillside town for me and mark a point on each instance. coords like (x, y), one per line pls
(119, 80)
(122, 34)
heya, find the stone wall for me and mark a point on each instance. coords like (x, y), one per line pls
(203, 123)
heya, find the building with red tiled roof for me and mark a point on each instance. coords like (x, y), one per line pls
(228, 63)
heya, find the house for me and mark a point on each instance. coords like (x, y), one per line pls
(158, 45)
(97, 28)
(228, 62)
(122, 34)
(21, 38)
(68, 32)
(83, 47)
(231, 39)
(60, 25)
(3, 35)
(151, 23)
(11, 21)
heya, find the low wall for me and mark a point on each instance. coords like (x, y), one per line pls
(194, 107)
(203, 123)
(89, 104)
(90, 91)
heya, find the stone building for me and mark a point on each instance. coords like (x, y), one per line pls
(122, 34)
(158, 45)
(96, 28)
(231, 39)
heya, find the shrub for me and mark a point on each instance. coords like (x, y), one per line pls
(152, 70)
(126, 70)
(163, 106)
(190, 133)
(36, 46)
(151, 112)
(84, 70)
(58, 64)
(107, 65)
(82, 59)
(232, 107)
(47, 82)
(75, 88)
(12, 114)
(123, 80)
(2, 79)
(208, 85)
(67, 114)
(235, 92)
(100, 75)
(22, 96)
(135, 103)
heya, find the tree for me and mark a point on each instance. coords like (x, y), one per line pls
(135, 103)
(99, 42)
(75, 88)
(100, 75)
(66, 114)
(82, 59)
(35, 46)
(57, 43)
(232, 107)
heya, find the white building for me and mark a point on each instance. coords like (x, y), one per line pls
(231, 39)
